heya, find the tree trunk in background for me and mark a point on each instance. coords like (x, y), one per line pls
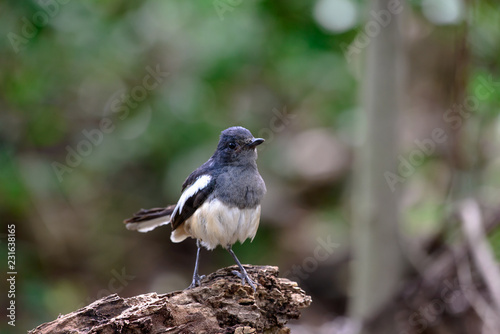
(378, 259)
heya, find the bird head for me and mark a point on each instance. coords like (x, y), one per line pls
(237, 146)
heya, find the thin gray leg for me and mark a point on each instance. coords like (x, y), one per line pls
(196, 278)
(243, 274)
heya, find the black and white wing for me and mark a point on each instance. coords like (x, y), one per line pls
(193, 196)
(195, 190)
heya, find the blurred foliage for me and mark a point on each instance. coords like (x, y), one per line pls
(73, 64)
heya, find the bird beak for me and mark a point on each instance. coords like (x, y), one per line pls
(256, 142)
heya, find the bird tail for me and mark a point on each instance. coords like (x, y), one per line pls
(148, 220)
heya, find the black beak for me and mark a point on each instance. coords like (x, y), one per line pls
(256, 142)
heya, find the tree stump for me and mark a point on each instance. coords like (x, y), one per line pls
(220, 305)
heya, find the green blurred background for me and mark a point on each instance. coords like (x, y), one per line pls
(75, 76)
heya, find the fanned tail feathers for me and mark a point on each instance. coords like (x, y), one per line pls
(147, 220)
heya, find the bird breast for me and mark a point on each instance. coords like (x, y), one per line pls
(216, 223)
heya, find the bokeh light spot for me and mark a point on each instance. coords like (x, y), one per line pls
(335, 15)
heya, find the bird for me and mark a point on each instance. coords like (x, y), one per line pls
(220, 202)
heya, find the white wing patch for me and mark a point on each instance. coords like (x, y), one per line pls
(200, 183)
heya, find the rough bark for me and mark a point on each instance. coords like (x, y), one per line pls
(220, 305)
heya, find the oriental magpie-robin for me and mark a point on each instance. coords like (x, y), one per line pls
(220, 201)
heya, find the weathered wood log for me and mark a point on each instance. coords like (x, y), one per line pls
(220, 305)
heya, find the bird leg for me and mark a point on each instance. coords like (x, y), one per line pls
(243, 274)
(196, 278)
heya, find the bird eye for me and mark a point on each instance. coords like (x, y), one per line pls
(232, 145)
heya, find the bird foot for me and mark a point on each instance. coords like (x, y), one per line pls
(245, 278)
(196, 281)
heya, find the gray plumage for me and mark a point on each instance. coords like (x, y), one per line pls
(220, 200)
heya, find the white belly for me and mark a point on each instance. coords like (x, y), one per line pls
(214, 223)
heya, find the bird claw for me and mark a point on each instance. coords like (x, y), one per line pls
(245, 278)
(196, 281)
